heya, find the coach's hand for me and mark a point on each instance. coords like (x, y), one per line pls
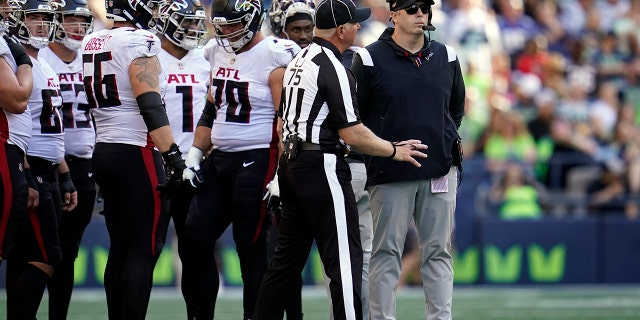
(408, 150)
(68, 191)
(192, 174)
(173, 167)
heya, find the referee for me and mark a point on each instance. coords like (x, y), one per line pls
(319, 111)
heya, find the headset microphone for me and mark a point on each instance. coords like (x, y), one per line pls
(428, 28)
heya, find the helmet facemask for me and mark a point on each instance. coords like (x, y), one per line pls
(43, 29)
(183, 26)
(8, 10)
(73, 26)
(246, 15)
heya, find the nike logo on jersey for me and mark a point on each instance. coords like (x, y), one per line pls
(246, 164)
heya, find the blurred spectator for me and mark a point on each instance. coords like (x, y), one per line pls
(515, 26)
(603, 111)
(532, 56)
(609, 60)
(545, 12)
(610, 11)
(606, 194)
(576, 16)
(540, 129)
(508, 140)
(553, 72)
(373, 27)
(473, 31)
(516, 194)
(579, 69)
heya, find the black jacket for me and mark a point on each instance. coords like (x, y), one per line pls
(410, 96)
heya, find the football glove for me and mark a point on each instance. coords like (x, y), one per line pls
(67, 191)
(193, 173)
(273, 189)
(173, 167)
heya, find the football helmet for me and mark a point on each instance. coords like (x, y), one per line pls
(183, 22)
(248, 13)
(281, 10)
(7, 9)
(19, 26)
(141, 13)
(72, 37)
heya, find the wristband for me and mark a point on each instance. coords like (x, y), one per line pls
(394, 150)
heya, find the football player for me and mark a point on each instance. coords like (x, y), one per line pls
(124, 81)
(293, 19)
(15, 89)
(239, 119)
(37, 248)
(182, 30)
(74, 21)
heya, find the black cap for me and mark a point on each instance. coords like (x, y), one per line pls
(395, 5)
(333, 13)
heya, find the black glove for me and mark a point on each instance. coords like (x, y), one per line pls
(32, 183)
(17, 51)
(173, 167)
(65, 183)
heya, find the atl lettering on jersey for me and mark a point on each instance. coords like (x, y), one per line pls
(228, 73)
(181, 78)
(70, 77)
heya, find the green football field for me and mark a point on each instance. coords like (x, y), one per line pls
(481, 303)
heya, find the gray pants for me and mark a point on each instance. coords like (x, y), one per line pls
(358, 181)
(393, 205)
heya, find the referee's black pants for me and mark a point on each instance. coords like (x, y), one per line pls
(318, 204)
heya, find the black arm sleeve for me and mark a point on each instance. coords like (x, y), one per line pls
(152, 110)
(456, 104)
(208, 115)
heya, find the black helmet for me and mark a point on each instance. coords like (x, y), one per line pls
(139, 12)
(226, 12)
(72, 39)
(19, 28)
(183, 23)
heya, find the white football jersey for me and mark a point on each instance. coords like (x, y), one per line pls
(47, 132)
(79, 134)
(187, 84)
(246, 117)
(14, 128)
(107, 55)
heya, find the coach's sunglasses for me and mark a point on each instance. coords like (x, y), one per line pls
(413, 9)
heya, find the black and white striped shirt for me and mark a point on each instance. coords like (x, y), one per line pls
(319, 95)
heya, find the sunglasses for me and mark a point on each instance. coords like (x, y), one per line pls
(413, 9)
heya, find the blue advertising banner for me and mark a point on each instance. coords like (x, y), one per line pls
(540, 251)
